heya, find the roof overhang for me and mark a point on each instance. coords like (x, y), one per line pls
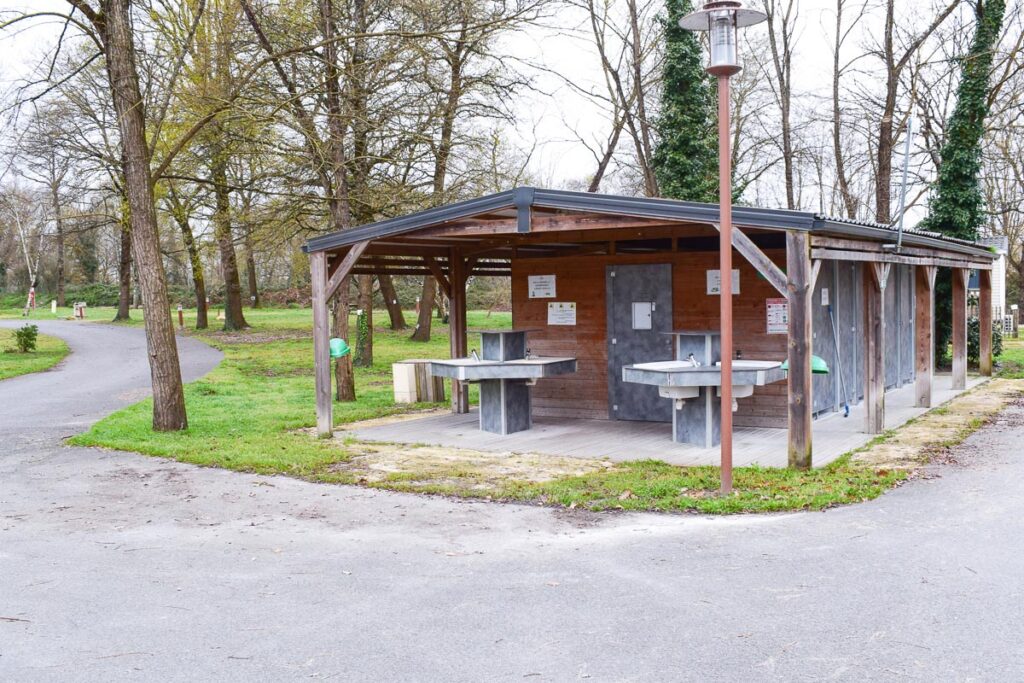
(518, 208)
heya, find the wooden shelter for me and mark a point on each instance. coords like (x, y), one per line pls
(839, 289)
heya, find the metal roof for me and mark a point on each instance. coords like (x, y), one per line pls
(522, 199)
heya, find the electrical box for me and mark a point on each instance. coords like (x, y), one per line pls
(643, 315)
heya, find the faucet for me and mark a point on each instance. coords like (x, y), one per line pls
(472, 352)
(693, 361)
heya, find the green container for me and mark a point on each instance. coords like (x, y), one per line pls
(339, 348)
(818, 366)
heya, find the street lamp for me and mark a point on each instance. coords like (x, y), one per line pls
(722, 18)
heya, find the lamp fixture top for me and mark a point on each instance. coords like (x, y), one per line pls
(701, 19)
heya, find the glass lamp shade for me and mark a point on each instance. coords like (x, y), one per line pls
(723, 60)
(722, 18)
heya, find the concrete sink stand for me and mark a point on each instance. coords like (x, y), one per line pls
(697, 415)
(505, 374)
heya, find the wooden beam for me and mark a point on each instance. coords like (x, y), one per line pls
(815, 272)
(457, 325)
(799, 292)
(876, 276)
(960, 276)
(345, 267)
(321, 344)
(541, 223)
(757, 258)
(439, 275)
(985, 322)
(842, 244)
(924, 335)
(872, 256)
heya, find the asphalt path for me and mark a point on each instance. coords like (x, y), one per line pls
(116, 566)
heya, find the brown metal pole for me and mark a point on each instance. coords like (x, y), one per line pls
(725, 272)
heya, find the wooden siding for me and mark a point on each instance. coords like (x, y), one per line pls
(582, 280)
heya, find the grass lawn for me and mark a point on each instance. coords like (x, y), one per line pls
(49, 351)
(248, 415)
(1011, 363)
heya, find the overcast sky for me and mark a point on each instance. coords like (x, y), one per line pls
(546, 123)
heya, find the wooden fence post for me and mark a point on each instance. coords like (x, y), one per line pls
(321, 345)
(985, 322)
(457, 324)
(876, 276)
(799, 294)
(924, 327)
(960, 276)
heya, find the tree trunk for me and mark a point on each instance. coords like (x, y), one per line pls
(60, 245)
(124, 276)
(390, 296)
(234, 319)
(198, 276)
(165, 371)
(364, 342)
(426, 312)
(250, 273)
(344, 376)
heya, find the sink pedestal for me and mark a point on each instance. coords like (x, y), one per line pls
(504, 406)
(698, 421)
(505, 376)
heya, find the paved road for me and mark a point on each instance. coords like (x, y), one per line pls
(116, 566)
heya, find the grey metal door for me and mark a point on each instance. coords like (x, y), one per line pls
(639, 314)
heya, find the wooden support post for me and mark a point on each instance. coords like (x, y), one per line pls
(924, 338)
(960, 276)
(985, 322)
(457, 325)
(344, 268)
(321, 345)
(876, 276)
(799, 292)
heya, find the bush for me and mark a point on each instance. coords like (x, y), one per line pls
(974, 340)
(25, 338)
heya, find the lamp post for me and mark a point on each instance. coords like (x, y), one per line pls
(722, 18)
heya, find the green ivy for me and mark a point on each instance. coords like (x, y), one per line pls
(957, 208)
(686, 157)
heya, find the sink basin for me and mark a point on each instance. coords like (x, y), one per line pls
(674, 373)
(472, 370)
(679, 392)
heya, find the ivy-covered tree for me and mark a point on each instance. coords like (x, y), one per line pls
(686, 158)
(957, 207)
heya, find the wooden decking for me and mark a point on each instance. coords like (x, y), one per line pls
(622, 441)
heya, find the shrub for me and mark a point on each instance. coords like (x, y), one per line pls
(974, 341)
(25, 338)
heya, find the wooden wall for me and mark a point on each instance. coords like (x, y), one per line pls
(582, 280)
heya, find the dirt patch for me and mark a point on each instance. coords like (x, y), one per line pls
(258, 337)
(432, 467)
(391, 419)
(929, 436)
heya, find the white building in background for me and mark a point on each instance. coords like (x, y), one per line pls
(1002, 246)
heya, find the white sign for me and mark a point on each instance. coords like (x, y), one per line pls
(778, 316)
(824, 296)
(541, 286)
(715, 282)
(562, 313)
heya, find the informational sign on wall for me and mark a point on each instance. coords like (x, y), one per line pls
(541, 286)
(715, 282)
(778, 316)
(562, 313)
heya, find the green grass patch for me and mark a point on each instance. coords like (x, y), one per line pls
(246, 415)
(655, 485)
(49, 351)
(1011, 362)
